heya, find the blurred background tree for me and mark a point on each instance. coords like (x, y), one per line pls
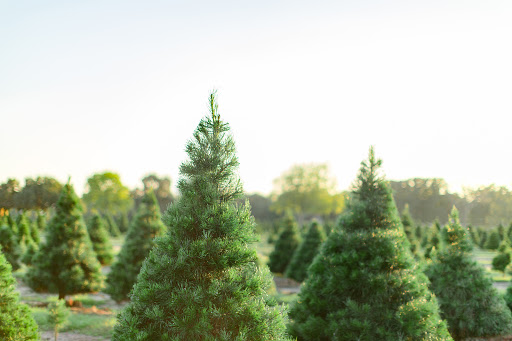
(106, 194)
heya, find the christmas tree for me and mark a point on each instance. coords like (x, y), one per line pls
(10, 247)
(493, 241)
(285, 246)
(66, 263)
(16, 321)
(410, 232)
(304, 254)
(502, 259)
(100, 240)
(364, 284)
(469, 302)
(201, 281)
(113, 229)
(146, 225)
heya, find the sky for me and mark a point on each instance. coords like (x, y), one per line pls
(90, 86)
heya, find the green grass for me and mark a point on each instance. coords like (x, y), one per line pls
(87, 301)
(87, 324)
(285, 298)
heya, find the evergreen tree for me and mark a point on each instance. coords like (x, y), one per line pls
(10, 247)
(100, 240)
(468, 301)
(418, 232)
(58, 315)
(304, 254)
(433, 239)
(493, 242)
(16, 321)
(501, 231)
(24, 230)
(34, 232)
(475, 238)
(364, 284)
(285, 246)
(483, 239)
(201, 280)
(124, 222)
(66, 263)
(409, 230)
(12, 224)
(41, 221)
(502, 259)
(146, 225)
(113, 229)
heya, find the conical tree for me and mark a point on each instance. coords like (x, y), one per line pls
(12, 224)
(41, 221)
(100, 240)
(409, 230)
(304, 254)
(503, 258)
(66, 263)
(34, 232)
(433, 239)
(201, 280)
(10, 247)
(494, 240)
(113, 229)
(16, 321)
(483, 239)
(285, 246)
(24, 230)
(124, 222)
(468, 300)
(364, 284)
(146, 225)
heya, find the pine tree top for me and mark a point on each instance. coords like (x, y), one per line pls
(371, 205)
(454, 236)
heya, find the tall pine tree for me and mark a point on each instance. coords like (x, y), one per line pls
(201, 281)
(364, 284)
(146, 225)
(100, 240)
(304, 254)
(468, 300)
(66, 262)
(16, 321)
(286, 244)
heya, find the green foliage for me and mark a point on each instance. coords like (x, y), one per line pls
(468, 301)
(34, 232)
(106, 194)
(139, 241)
(161, 186)
(16, 322)
(304, 254)
(503, 258)
(364, 283)
(9, 245)
(38, 194)
(58, 316)
(24, 231)
(123, 222)
(285, 246)
(433, 240)
(201, 281)
(41, 221)
(307, 190)
(483, 239)
(113, 229)
(66, 263)
(100, 240)
(29, 253)
(494, 240)
(410, 232)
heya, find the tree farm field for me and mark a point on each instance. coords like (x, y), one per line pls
(95, 318)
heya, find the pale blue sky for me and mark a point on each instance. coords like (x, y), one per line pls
(121, 85)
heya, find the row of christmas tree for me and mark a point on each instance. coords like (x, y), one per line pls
(202, 281)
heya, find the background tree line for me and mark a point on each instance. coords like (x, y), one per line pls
(307, 190)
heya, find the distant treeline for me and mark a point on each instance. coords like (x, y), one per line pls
(305, 190)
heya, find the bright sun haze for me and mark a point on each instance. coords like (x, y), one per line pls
(120, 85)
